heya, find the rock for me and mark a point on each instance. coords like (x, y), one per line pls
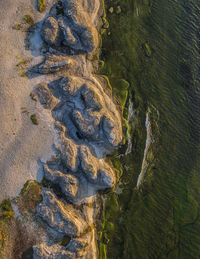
(68, 152)
(70, 37)
(88, 164)
(44, 251)
(86, 127)
(96, 170)
(109, 129)
(76, 245)
(50, 32)
(45, 96)
(106, 176)
(63, 29)
(90, 98)
(68, 183)
(61, 217)
(52, 64)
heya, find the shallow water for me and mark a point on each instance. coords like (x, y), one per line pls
(155, 46)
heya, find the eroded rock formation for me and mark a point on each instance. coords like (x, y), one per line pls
(88, 125)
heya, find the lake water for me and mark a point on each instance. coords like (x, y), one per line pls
(155, 46)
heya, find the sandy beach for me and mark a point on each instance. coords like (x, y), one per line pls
(22, 144)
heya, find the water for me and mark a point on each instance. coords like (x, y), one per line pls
(155, 46)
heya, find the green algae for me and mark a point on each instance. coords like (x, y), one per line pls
(160, 220)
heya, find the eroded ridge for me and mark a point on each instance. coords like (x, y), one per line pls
(88, 125)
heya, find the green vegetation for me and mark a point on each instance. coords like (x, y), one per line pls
(30, 196)
(18, 26)
(6, 211)
(33, 97)
(6, 215)
(28, 19)
(34, 119)
(22, 74)
(41, 5)
(21, 67)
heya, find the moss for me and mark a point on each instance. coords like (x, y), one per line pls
(18, 26)
(30, 196)
(22, 74)
(33, 97)
(34, 119)
(117, 165)
(6, 211)
(41, 5)
(120, 89)
(28, 19)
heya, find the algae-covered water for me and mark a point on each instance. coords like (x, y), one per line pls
(151, 55)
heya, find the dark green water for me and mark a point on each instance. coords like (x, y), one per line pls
(155, 46)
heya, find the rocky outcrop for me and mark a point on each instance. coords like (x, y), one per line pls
(60, 216)
(88, 128)
(64, 28)
(52, 252)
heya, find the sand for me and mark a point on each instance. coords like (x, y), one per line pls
(23, 145)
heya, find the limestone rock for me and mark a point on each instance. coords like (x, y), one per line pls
(110, 130)
(63, 29)
(51, 31)
(96, 170)
(45, 96)
(61, 217)
(91, 99)
(44, 251)
(76, 246)
(68, 152)
(52, 64)
(85, 126)
(68, 183)
(88, 164)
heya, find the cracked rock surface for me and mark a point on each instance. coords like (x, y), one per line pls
(88, 126)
